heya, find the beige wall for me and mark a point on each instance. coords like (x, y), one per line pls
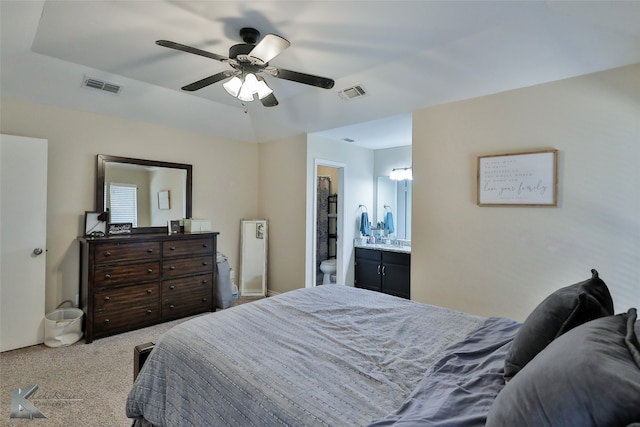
(225, 174)
(282, 201)
(489, 260)
(505, 260)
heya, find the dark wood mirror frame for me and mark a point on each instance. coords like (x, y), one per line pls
(103, 160)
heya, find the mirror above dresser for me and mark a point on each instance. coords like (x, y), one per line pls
(146, 193)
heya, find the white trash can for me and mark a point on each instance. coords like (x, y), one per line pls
(62, 327)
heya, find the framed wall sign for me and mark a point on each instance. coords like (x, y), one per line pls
(525, 179)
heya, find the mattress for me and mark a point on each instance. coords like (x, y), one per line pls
(331, 355)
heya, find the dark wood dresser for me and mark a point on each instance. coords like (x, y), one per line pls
(129, 282)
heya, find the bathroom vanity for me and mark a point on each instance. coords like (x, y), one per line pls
(384, 268)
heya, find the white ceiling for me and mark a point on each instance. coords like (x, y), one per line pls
(406, 54)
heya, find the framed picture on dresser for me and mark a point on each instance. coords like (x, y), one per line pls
(95, 223)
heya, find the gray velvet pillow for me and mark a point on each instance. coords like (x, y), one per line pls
(560, 312)
(588, 377)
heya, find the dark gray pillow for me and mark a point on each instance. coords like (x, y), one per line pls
(560, 312)
(588, 377)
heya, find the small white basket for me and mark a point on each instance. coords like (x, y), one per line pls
(62, 327)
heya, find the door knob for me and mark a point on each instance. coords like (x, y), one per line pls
(37, 251)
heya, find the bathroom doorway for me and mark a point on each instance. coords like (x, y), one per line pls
(328, 222)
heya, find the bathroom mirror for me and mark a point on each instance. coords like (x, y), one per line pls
(149, 192)
(396, 196)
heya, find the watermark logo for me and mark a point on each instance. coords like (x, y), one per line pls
(20, 405)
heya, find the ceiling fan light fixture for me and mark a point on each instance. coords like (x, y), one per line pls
(245, 90)
(263, 89)
(233, 86)
(248, 88)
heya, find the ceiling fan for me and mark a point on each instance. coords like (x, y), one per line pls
(248, 59)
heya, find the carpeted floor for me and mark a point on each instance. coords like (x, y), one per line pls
(79, 385)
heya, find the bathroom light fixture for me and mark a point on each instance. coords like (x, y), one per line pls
(245, 90)
(401, 174)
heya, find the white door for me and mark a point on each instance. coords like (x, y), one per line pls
(23, 227)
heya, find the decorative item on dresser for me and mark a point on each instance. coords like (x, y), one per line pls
(131, 281)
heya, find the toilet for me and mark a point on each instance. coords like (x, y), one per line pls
(328, 268)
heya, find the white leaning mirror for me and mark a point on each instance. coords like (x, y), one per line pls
(253, 260)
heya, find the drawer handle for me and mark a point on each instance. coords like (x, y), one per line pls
(171, 307)
(172, 248)
(150, 250)
(150, 270)
(173, 267)
(107, 299)
(107, 276)
(149, 312)
(205, 263)
(204, 281)
(172, 287)
(107, 253)
(149, 291)
(204, 299)
(205, 245)
(106, 321)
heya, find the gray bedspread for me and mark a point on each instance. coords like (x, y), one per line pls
(325, 356)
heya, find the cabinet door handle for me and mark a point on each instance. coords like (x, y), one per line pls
(107, 253)
(172, 287)
(204, 299)
(106, 321)
(150, 250)
(172, 248)
(173, 267)
(171, 307)
(383, 268)
(204, 281)
(150, 270)
(149, 311)
(107, 299)
(107, 276)
(149, 291)
(205, 263)
(379, 269)
(205, 245)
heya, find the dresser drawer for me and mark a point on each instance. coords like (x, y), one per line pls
(176, 248)
(179, 267)
(115, 274)
(177, 288)
(119, 299)
(187, 303)
(126, 317)
(126, 251)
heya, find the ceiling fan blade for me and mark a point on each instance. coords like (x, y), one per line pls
(208, 81)
(268, 48)
(269, 100)
(295, 76)
(190, 49)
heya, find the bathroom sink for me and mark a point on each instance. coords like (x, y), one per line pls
(386, 247)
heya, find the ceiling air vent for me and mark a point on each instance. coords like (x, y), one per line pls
(94, 83)
(352, 92)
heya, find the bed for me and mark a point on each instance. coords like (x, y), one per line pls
(334, 355)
